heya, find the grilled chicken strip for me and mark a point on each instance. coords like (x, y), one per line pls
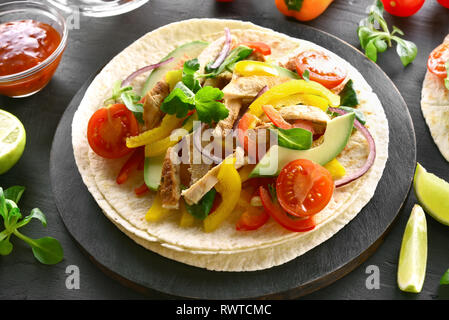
(170, 189)
(152, 113)
(249, 87)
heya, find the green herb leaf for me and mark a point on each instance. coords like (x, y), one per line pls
(14, 193)
(117, 91)
(358, 114)
(306, 75)
(3, 208)
(5, 247)
(202, 208)
(131, 101)
(295, 138)
(446, 81)
(237, 54)
(207, 106)
(36, 213)
(445, 278)
(188, 75)
(14, 215)
(406, 50)
(47, 250)
(375, 37)
(179, 102)
(348, 96)
(295, 5)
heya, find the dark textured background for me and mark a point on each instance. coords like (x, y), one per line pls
(98, 40)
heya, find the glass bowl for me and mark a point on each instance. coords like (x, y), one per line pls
(98, 8)
(30, 81)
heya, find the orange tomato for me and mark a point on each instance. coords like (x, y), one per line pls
(309, 10)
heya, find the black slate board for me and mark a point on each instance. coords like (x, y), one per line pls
(131, 264)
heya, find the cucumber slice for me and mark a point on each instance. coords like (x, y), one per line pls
(187, 51)
(152, 171)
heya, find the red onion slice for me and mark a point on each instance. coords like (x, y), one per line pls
(371, 157)
(137, 73)
(224, 52)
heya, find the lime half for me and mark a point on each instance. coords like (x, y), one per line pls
(12, 140)
(413, 256)
(432, 193)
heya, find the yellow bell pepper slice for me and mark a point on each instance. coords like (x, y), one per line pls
(293, 87)
(168, 124)
(229, 186)
(336, 169)
(306, 99)
(255, 68)
(156, 212)
(173, 77)
(160, 147)
(187, 220)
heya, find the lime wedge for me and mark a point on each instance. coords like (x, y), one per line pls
(433, 194)
(413, 255)
(12, 140)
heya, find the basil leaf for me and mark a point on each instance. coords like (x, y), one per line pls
(295, 5)
(406, 50)
(295, 138)
(348, 96)
(358, 114)
(445, 278)
(237, 54)
(5, 247)
(47, 250)
(207, 106)
(202, 208)
(446, 81)
(14, 193)
(364, 34)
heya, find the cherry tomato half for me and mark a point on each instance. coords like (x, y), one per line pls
(108, 128)
(444, 3)
(322, 68)
(260, 47)
(402, 8)
(437, 60)
(304, 188)
(283, 218)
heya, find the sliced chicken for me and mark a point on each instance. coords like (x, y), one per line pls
(152, 113)
(223, 126)
(202, 186)
(220, 81)
(249, 87)
(170, 188)
(302, 112)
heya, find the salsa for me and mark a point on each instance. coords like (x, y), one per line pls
(25, 44)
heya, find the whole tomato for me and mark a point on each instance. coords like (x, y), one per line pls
(444, 3)
(403, 8)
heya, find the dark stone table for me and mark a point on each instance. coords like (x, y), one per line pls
(98, 40)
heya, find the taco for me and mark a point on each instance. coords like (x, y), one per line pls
(224, 145)
(435, 97)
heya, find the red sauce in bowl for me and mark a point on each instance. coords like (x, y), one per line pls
(25, 44)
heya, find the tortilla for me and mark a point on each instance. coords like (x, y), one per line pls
(435, 108)
(224, 249)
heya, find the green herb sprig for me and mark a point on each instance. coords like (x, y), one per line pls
(294, 138)
(188, 95)
(46, 250)
(128, 97)
(374, 40)
(237, 54)
(204, 206)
